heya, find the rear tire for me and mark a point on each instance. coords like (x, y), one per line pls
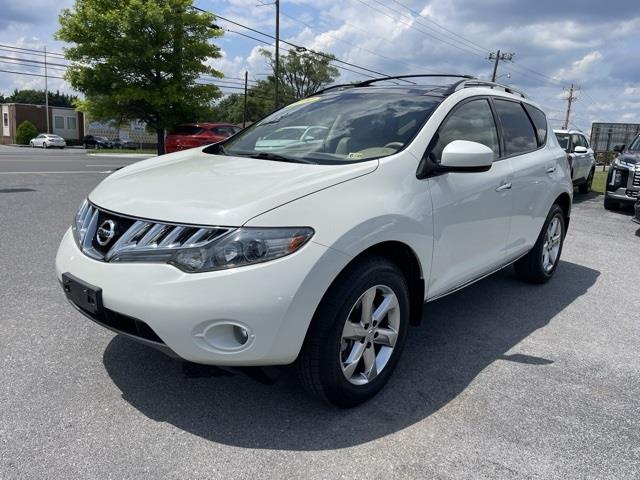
(539, 265)
(349, 353)
(586, 186)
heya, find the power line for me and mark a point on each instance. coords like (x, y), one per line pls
(30, 74)
(36, 52)
(454, 34)
(315, 29)
(297, 47)
(403, 20)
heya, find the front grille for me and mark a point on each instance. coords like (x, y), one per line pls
(106, 236)
(636, 178)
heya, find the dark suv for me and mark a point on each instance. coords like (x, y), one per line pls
(623, 181)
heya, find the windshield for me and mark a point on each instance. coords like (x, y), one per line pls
(635, 145)
(563, 140)
(340, 127)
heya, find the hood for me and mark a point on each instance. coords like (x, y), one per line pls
(629, 157)
(203, 189)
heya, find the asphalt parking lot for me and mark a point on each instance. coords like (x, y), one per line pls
(502, 379)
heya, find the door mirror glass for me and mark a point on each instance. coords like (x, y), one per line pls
(465, 156)
(580, 149)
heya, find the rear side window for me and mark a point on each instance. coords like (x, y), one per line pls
(472, 121)
(518, 133)
(540, 122)
(187, 130)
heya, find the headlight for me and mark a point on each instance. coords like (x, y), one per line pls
(241, 247)
(245, 246)
(618, 162)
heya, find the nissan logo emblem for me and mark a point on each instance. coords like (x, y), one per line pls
(106, 232)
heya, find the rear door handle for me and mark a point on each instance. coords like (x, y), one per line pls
(504, 186)
(551, 169)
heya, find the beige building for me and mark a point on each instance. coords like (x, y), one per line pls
(66, 122)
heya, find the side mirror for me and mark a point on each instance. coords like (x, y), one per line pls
(618, 148)
(465, 156)
(308, 138)
(580, 149)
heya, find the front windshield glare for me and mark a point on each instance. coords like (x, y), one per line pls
(340, 127)
(635, 145)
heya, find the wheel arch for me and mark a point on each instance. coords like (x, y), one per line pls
(564, 201)
(406, 259)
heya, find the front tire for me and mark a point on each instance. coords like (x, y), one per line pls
(357, 334)
(539, 265)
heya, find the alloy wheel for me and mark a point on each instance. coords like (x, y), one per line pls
(369, 335)
(551, 246)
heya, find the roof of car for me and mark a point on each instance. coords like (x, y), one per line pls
(441, 85)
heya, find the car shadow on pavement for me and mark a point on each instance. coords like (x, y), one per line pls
(460, 336)
(583, 197)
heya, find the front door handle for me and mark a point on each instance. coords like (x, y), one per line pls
(551, 169)
(504, 186)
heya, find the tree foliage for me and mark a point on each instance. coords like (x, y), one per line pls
(140, 59)
(37, 97)
(25, 132)
(304, 73)
(301, 75)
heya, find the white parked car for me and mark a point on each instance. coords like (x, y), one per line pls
(229, 256)
(581, 157)
(287, 136)
(48, 140)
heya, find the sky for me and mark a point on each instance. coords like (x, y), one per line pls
(593, 44)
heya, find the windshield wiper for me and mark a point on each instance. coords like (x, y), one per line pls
(281, 158)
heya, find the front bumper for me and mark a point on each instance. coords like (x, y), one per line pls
(274, 301)
(623, 184)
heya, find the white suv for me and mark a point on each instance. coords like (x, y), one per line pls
(582, 159)
(324, 253)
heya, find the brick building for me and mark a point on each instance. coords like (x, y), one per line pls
(66, 122)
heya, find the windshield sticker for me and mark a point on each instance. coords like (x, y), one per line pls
(355, 155)
(304, 101)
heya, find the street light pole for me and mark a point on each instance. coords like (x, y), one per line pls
(46, 90)
(277, 64)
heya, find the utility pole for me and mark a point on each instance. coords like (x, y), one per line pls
(277, 65)
(46, 90)
(244, 114)
(497, 56)
(570, 100)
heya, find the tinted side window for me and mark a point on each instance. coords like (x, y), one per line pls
(585, 141)
(540, 122)
(519, 136)
(473, 121)
(578, 141)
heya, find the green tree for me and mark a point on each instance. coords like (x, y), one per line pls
(303, 74)
(140, 59)
(259, 103)
(37, 97)
(25, 132)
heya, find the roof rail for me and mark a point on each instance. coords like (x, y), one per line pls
(402, 77)
(484, 83)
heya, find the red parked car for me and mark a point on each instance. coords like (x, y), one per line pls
(192, 135)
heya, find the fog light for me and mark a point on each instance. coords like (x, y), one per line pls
(241, 334)
(225, 336)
